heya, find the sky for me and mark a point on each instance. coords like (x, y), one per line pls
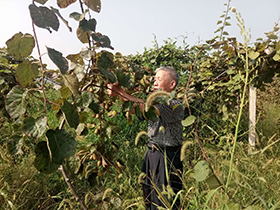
(132, 25)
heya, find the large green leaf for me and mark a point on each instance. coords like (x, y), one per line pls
(139, 73)
(15, 102)
(62, 145)
(255, 207)
(201, 171)
(88, 25)
(233, 206)
(188, 121)
(65, 3)
(26, 72)
(127, 106)
(35, 127)
(20, 46)
(212, 182)
(138, 112)
(43, 161)
(58, 60)
(84, 100)
(105, 61)
(15, 144)
(94, 5)
(71, 114)
(77, 16)
(71, 81)
(111, 77)
(103, 40)
(43, 17)
(56, 11)
(151, 114)
(94, 107)
(123, 79)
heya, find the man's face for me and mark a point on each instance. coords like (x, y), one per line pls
(163, 81)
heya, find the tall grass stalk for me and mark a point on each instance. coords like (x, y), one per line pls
(246, 37)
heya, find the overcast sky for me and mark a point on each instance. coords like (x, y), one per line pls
(132, 24)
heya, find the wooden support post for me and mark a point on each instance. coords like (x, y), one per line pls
(252, 116)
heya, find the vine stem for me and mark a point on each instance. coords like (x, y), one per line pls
(42, 67)
(67, 180)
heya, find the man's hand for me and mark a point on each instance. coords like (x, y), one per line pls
(114, 89)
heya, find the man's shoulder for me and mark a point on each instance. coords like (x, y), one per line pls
(175, 101)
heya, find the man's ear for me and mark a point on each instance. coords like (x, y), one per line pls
(172, 84)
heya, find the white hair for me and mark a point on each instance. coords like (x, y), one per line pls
(172, 72)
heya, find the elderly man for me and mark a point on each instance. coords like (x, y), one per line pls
(162, 165)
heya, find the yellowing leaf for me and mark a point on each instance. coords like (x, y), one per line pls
(94, 5)
(20, 46)
(71, 81)
(57, 104)
(253, 55)
(65, 92)
(276, 57)
(82, 36)
(26, 72)
(212, 182)
(76, 58)
(65, 3)
(277, 46)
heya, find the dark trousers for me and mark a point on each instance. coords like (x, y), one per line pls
(157, 171)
